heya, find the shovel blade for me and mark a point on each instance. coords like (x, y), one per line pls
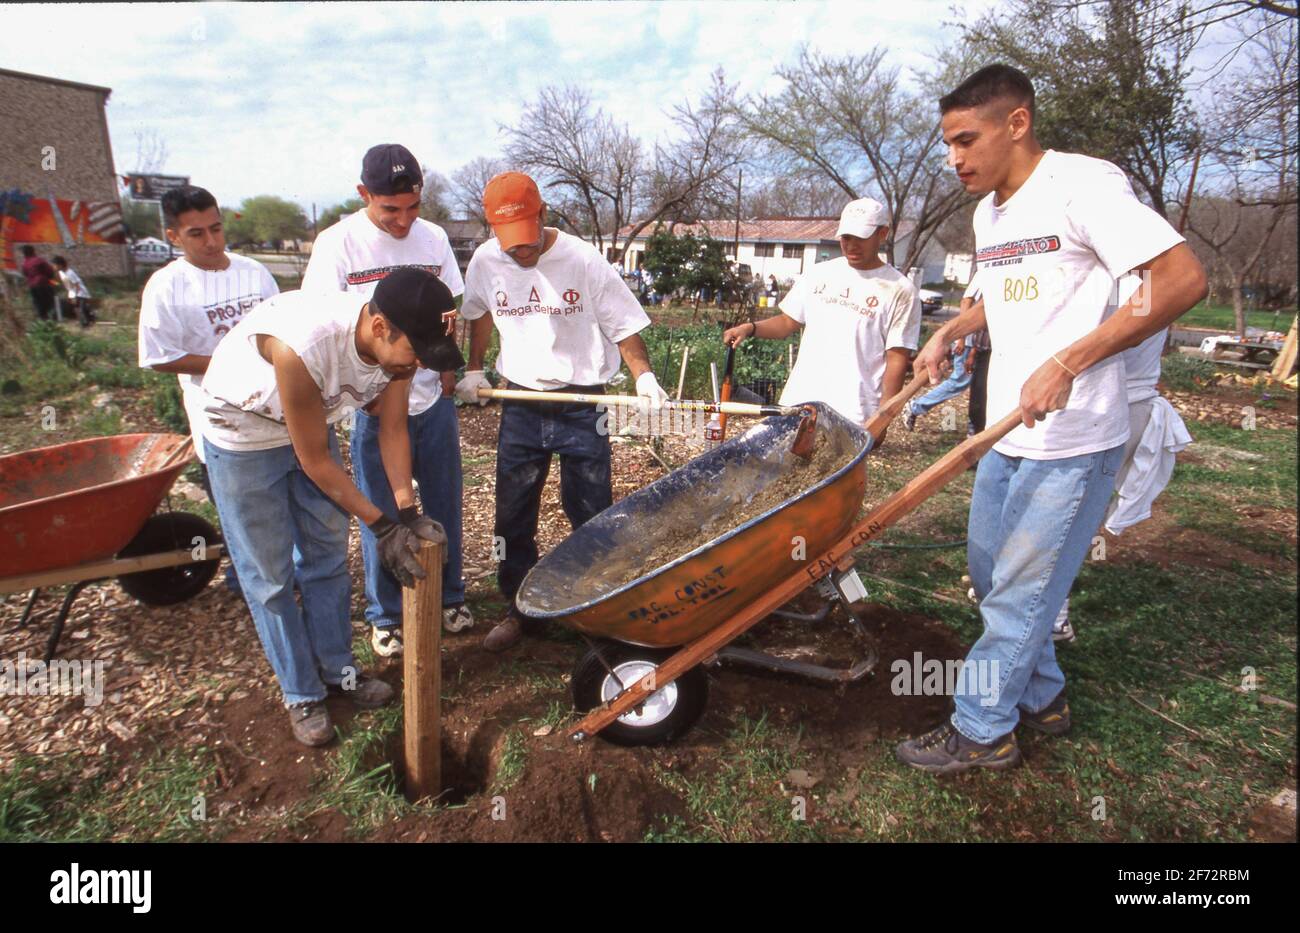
(805, 437)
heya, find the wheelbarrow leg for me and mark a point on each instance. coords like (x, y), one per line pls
(53, 644)
(27, 610)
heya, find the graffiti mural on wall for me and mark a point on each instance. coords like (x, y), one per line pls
(30, 218)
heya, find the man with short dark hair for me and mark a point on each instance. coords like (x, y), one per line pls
(286, 374)
(565, 318)
(353, 256)
(191, 303)
(1053, 234)
(40, 277)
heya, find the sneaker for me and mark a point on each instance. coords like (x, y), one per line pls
(1062, 630)
(367, 692)
(944, 750)
(386, 641)
(909, 417)
(311, 723)
(504, 634)
(1053, 719)
(457, 618)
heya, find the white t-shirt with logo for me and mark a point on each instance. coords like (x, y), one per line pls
(560, 321)
(353, 255)
(242, 406)
(1048, 262)
(73, 283)
(187, 310)
(850, 317)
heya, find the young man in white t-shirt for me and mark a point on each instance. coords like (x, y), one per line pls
(565, 318)
(861, 320)
(276, 386)
(354, 255)
(1053, 234)
(191, 303)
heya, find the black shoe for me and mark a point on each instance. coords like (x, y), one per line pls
(944, 750)
(366, 692)
(311, 723)
(1053, 719)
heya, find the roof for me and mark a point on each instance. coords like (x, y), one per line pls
(763, 229)
(26, 76)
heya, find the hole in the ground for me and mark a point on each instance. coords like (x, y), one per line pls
(465, 771)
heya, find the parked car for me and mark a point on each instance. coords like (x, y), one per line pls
(931, 301)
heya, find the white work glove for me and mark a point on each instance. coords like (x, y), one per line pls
(647, 386)
(467, 388)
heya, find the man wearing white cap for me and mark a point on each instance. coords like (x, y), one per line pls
(862, 318)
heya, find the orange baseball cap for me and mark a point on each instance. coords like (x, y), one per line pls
(513, 206)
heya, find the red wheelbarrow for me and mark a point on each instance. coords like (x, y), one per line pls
(84, 511)
(643, 681)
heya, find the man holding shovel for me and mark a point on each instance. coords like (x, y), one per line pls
(1053, 234)
(565, 318)
(275, 387)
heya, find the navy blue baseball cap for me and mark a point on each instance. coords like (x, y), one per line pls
(388, 167)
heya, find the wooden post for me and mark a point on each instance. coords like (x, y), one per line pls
(421, 647)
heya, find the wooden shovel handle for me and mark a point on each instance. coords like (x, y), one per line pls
(887, 412)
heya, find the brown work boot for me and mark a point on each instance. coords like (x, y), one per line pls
(366, 692)
(504, 634)
(311, 723)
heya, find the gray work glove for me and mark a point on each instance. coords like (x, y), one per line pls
(399, 543)
(423, 526)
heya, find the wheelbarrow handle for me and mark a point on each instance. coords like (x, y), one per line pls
(580, 398)
(887, 412)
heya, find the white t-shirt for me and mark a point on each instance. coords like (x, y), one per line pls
(354, 254)
(850, 317)
(1048, 262)
(187, 310)
(560, 321)
(242, 407)
(72, 282)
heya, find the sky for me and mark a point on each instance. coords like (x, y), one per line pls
(285, 98)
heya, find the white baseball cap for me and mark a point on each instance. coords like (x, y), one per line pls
(860, 218)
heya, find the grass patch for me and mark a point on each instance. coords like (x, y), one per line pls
(513, 761)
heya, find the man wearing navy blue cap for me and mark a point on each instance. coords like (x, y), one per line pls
(354, 255)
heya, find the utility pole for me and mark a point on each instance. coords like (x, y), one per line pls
(735, 247)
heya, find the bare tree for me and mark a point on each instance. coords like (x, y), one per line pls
(435, 197)
(150, 152)
(467, 184)
(1250, 156)
(857, 122)
(602, 182)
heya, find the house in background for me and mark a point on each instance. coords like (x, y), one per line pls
(782, 246)
(466, 236)
(58, 186)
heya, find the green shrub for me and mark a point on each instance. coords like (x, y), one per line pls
(755, 360)
(1183, 373)
(167, 401)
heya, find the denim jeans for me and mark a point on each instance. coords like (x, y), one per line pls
(951, 387)
(530, 433)
(269, 507)
(436, 468)
(1031, 525)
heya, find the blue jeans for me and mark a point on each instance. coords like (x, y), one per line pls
(436, 468)
(1031, 525)
(530, 433)
(269, 507)
(953, 386)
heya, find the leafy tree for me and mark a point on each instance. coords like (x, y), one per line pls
(273, 220)
(238, 231)
(333, 215)
(687, 263)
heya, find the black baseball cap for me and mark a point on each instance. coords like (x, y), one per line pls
(414, 301)
(385, 166)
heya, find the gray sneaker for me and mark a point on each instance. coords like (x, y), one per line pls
(944, 750)
(909, 417)
(311, 723)
(367, 692)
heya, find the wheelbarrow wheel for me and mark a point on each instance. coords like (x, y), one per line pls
(666, 714)
(166, 586)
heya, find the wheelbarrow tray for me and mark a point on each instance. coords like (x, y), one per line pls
(83, 501)
(676, 602)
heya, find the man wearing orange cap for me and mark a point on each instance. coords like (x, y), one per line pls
(565, 318)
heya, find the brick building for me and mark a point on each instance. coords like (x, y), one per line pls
(58, 187)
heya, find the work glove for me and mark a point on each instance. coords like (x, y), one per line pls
(467, 388)
(423, 526)
(647, 386)
(398, 546)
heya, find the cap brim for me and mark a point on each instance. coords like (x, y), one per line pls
(518, 232)
(861, 231)
(441, 355)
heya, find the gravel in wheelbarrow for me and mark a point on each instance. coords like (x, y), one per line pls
(672, 560)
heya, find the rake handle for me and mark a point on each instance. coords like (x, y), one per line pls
(581, 398)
